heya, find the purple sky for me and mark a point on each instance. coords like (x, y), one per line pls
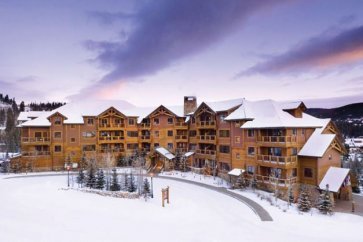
(151, 52)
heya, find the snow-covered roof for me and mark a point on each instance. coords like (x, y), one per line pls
(164, 152)
(270, 114)
(224, 105)
(334, 177)
(317, 144)
(25, 116)
(236, 172)
(189, 153)
(290, 105)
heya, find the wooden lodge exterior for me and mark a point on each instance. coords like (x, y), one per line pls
(274, 142)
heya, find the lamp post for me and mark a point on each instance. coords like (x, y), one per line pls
(152, 189)
(68, 167)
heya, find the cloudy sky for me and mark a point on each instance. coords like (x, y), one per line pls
(150, 52)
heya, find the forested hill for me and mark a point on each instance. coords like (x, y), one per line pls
(349, 118)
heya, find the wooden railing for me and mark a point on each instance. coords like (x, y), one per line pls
(145, 137)
(113, 125)
(277, 139)
(281, 160)
(35, 153)
(206, 152)
(181, 137)
(145, 125)
(211, 138)
(181, 125)
(35, 140)
(274, 180)
(181, 150)
(112, 150)
(206, 123)
(111, 138)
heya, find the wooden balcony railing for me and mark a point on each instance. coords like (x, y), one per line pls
(206, 124)
(209, 138)
(145, 125)
(113, 150)
(181, 125)
(285, 182)
(145, 137)
(280, 160)
(206, 152)
(181, 137)
(35, 140)
(113, 125)
(181, 150)
(111, 138)
(277, 139)
(35, 153)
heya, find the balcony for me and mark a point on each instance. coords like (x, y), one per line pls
(111, 139)
(114, 150)
(277, 161)
(145, 125)
(35, 153)
(35, 141)
(210, 139)
(276, 140)
(273, 181)
(181, 138)
(145, 138)
(206, 124)
(210, 154)
(181, 125)
(181, 150)
(111, 126)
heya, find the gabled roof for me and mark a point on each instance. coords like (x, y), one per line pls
(164, 152)
(25, 116)
(317, 144)
(334, 177)
(292, 105)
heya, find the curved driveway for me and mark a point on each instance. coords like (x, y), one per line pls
(257, 208)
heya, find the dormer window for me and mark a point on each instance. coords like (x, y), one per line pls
(57, 121)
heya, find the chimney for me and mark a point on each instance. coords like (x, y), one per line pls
(190, 104)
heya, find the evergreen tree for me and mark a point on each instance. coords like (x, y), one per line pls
(22, 107)
(115, 186)
(146, 188)
(325, 205)
(125, 182)
(304, 201)
(91, 178)
(240, 182)
(80, 178)
(100, 180)
(291, 196)
(254, 183)
(131, 186)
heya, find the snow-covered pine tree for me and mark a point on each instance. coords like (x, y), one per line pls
(290, 196)
(115, 186)
(80, 178)
(131, 183)
(325, 205)
(146, 188)
(91, 178)
(240, 182)
(304, 201)
(125, 182)
(100, 180)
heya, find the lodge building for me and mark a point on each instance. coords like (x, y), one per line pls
(265, 138)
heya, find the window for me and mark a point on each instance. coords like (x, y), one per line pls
(57, 135)
(224, 149)
(156, 133)
(224, 133)
(294, 131)
(251, 151)
(294, 151)
(250, 133)
(170, 121)
(192, 133)
(73, 140)
(132, 133)
(170, 133)
(73, 126)
(302, 131)
(238, 156)
(275, 151)
(251, 170)
(57, 121)
(156, 121)
(308, 172)
(193, 120)
(156, 145)
(237, 139)
(222, 117)
(89, 148)
(131, 121)
(57, 148)
(104, 121)
(224, 166)
(38, 134)
(170, 146)
(90, 121)
(132, 146)
(88, 134)
(192, 146)
(237, 124)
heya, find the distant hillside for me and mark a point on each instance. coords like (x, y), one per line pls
(349, 118)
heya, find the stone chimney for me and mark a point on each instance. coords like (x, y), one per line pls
(190, 104)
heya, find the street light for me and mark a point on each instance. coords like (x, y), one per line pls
(68, 168)
(152, 189)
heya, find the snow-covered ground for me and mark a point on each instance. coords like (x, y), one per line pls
(38, 209)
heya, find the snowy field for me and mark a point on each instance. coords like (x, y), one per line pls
(38, 209)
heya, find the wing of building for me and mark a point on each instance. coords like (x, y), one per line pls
(267, 139)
